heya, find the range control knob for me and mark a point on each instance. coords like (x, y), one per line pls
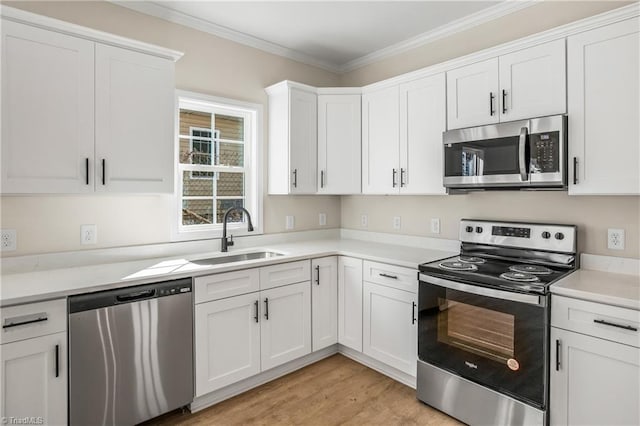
(479, 229)
(469, 229)
(546, 235)
(559, 236)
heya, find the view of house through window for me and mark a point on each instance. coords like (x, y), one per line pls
(215, 144)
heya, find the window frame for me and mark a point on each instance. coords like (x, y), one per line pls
(252, 169)
(214, 148)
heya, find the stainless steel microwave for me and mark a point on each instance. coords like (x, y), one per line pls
(526, 154)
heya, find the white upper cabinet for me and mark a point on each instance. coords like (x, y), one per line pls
(380, 139)
(134, 121)
(524, 84)
(533, 82)
(47, 86)
(293, 136)
(339, 144)
(99, 111)
(472, 95)
(604, 106)
(422, 121)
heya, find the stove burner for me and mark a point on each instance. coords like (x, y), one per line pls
(531, 269)
(458, 266)
(519, 277)
(472, 259)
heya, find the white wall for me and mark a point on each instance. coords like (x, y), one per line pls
(210, 65)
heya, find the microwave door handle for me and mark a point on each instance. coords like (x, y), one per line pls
(522, 145)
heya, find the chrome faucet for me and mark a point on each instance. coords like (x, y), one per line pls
(226, 243)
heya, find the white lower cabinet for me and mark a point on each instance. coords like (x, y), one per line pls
(350, 302)
(390, 326)
(324, 302)
(227, 341)
(34, 379)
(593, 381)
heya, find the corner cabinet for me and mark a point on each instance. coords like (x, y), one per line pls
(293, 123)
(324, 302)
(104, 114)
(604, 106)
(350, 302)
(519, 85)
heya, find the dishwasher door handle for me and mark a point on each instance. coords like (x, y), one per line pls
(136, 296)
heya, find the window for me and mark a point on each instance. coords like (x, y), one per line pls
(218, 165)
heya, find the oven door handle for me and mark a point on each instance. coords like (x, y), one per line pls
(522, 146)
(482, 291)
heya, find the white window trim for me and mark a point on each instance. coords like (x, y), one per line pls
(253, 171)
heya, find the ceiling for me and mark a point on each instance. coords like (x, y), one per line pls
(339, 35)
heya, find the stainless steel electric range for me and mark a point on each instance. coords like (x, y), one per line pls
(483, 324)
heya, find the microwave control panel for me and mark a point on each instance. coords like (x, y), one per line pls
(545, 152)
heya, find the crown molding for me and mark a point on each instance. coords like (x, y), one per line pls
(162, 12)
(44, 22)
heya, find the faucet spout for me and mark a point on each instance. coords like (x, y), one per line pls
(225, 243)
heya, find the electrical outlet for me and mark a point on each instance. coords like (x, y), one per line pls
(290, 222)
(396, 222)
(88, 234)
(322, 219)
(435, 226)
(615, 239)
(364, 221)
(9, 240)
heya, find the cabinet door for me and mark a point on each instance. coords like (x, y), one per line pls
(380, 138)
(286, 324)
(604, 106)
(533, 82)
(472, 95)
(350, 302)
(227, 342)
(339, 144)
(34, 379)
(596, 381)
(135, 114)
(422, 121)
(47, 89)
(303, 136)
(324, 302)
(390, 327)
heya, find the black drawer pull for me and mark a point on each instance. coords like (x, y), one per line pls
(394, 277)
(57, 360)
(318, 274)
(625, 327)
(17, 324)
(256, 317)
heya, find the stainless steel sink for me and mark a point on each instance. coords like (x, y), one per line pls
(241, 257)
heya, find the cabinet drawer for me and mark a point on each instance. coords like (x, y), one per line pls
(228, 284)
(596, 319)
(391, 276)
(33, 320)
(285, 273)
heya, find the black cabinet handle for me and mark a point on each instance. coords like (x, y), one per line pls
(104, 168)
(612, 324)
(295, 178)
(318, 275)
(31, 321)
(393, 178)
(575, 170)
(266, 308)
(402, 172)
(413, 313)
(557, 355)
(256, 305)
(395, 277)
(504, 101)
(491, 97)
(86, 169)
(321, 178)
(57, 360)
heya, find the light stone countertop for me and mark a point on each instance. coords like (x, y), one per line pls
(35, 286)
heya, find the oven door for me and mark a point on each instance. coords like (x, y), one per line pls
(492, 337)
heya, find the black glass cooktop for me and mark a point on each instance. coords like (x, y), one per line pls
(509, 275)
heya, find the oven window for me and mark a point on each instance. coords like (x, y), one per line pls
(481, 331)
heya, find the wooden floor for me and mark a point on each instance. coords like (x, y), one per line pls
(334, 391)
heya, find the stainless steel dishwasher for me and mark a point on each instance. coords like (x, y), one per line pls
(130, 353)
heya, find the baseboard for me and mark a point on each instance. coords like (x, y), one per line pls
(230, 391)
(395, 374)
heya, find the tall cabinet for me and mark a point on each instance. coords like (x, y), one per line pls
(604, 106)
